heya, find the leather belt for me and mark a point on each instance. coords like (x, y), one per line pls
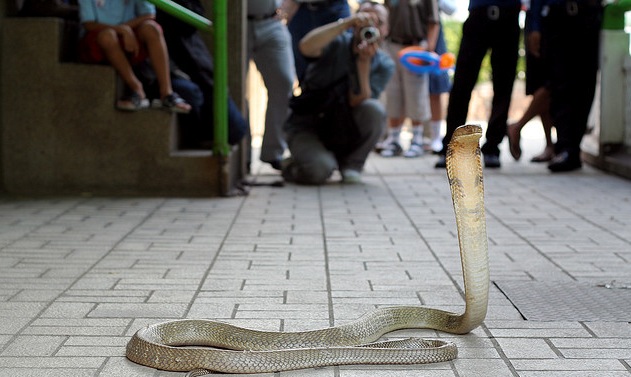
(493, 12)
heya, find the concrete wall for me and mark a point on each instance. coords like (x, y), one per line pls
(61, 134)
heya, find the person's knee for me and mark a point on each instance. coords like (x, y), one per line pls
(372, 108)
(371, 115)
(149, 30)
(315, 171)
(107, 39)
(279, 89)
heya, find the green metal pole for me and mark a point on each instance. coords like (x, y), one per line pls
(613, 18)
(221, 146)
(184, 14)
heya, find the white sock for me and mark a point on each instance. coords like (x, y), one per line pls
(417, 134)
(437, 139)
(435, 125)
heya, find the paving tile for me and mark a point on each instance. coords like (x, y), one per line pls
(78, 276)
(593, 365)
(124, 310)
(31, 346)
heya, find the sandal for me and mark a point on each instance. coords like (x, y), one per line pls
(393, 149)
(545, 156)
(132, 102)
(175, 104)
(416, 150)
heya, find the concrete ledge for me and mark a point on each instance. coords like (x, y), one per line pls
(618, 163)
(62, 135)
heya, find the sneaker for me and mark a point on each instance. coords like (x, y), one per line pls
(437, 145)
(287, 169)
(275, 164)
(132, 102)
(175, 104)
(416, 150)
(442, 162)
(381, 145)
(351, 176)
(391, 150)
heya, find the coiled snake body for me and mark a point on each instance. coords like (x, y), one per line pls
(239, 350)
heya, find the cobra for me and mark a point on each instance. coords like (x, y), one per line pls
(221, 347)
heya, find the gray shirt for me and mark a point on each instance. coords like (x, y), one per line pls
(260, 8)
(409, 19)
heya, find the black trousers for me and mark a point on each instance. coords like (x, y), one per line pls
(571, 37)
(487, 28)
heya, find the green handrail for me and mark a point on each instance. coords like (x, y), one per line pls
(184, 14)
(221, 77)
(613, 18)
(220, 8)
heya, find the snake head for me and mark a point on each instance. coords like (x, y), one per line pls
(468, 131)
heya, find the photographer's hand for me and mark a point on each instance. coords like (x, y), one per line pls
(365, 52)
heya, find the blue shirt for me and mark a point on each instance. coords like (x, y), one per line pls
(533, 21)
(113, 12)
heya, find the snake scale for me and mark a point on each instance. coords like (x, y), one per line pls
(187, 345)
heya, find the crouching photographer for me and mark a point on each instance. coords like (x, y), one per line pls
(337, 119)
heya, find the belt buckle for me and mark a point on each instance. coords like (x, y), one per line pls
(493, 12)
(572, 8)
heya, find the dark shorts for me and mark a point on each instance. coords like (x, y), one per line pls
(440, 83)
(90, 52)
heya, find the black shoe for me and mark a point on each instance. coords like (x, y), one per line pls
(491, 161)
(442, 162)
(276, 164)
(564, 162)
(287, 169)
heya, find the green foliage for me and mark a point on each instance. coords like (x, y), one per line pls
(453, 34)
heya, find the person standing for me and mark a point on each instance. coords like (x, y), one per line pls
(439, 84)
(540, 103)
(306, 15)
(569, 35)
(414, 23)
(491, 25)
(269, 45)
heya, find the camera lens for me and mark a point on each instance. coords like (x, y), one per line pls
(369, 34)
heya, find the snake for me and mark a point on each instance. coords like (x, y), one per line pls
(199, 345)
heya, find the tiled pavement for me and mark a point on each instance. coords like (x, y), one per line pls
(78, 276)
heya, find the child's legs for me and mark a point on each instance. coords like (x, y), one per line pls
(149, 33)
(109, 43)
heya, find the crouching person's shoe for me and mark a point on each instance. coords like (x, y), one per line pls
(351, 176)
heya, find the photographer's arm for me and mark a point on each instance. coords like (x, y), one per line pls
(316, 40)
(364, 58)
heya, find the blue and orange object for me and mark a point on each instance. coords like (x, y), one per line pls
(420, 61)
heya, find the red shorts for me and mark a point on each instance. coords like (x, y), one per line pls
(90, 52)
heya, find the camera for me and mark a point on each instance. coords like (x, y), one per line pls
(370, 34)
